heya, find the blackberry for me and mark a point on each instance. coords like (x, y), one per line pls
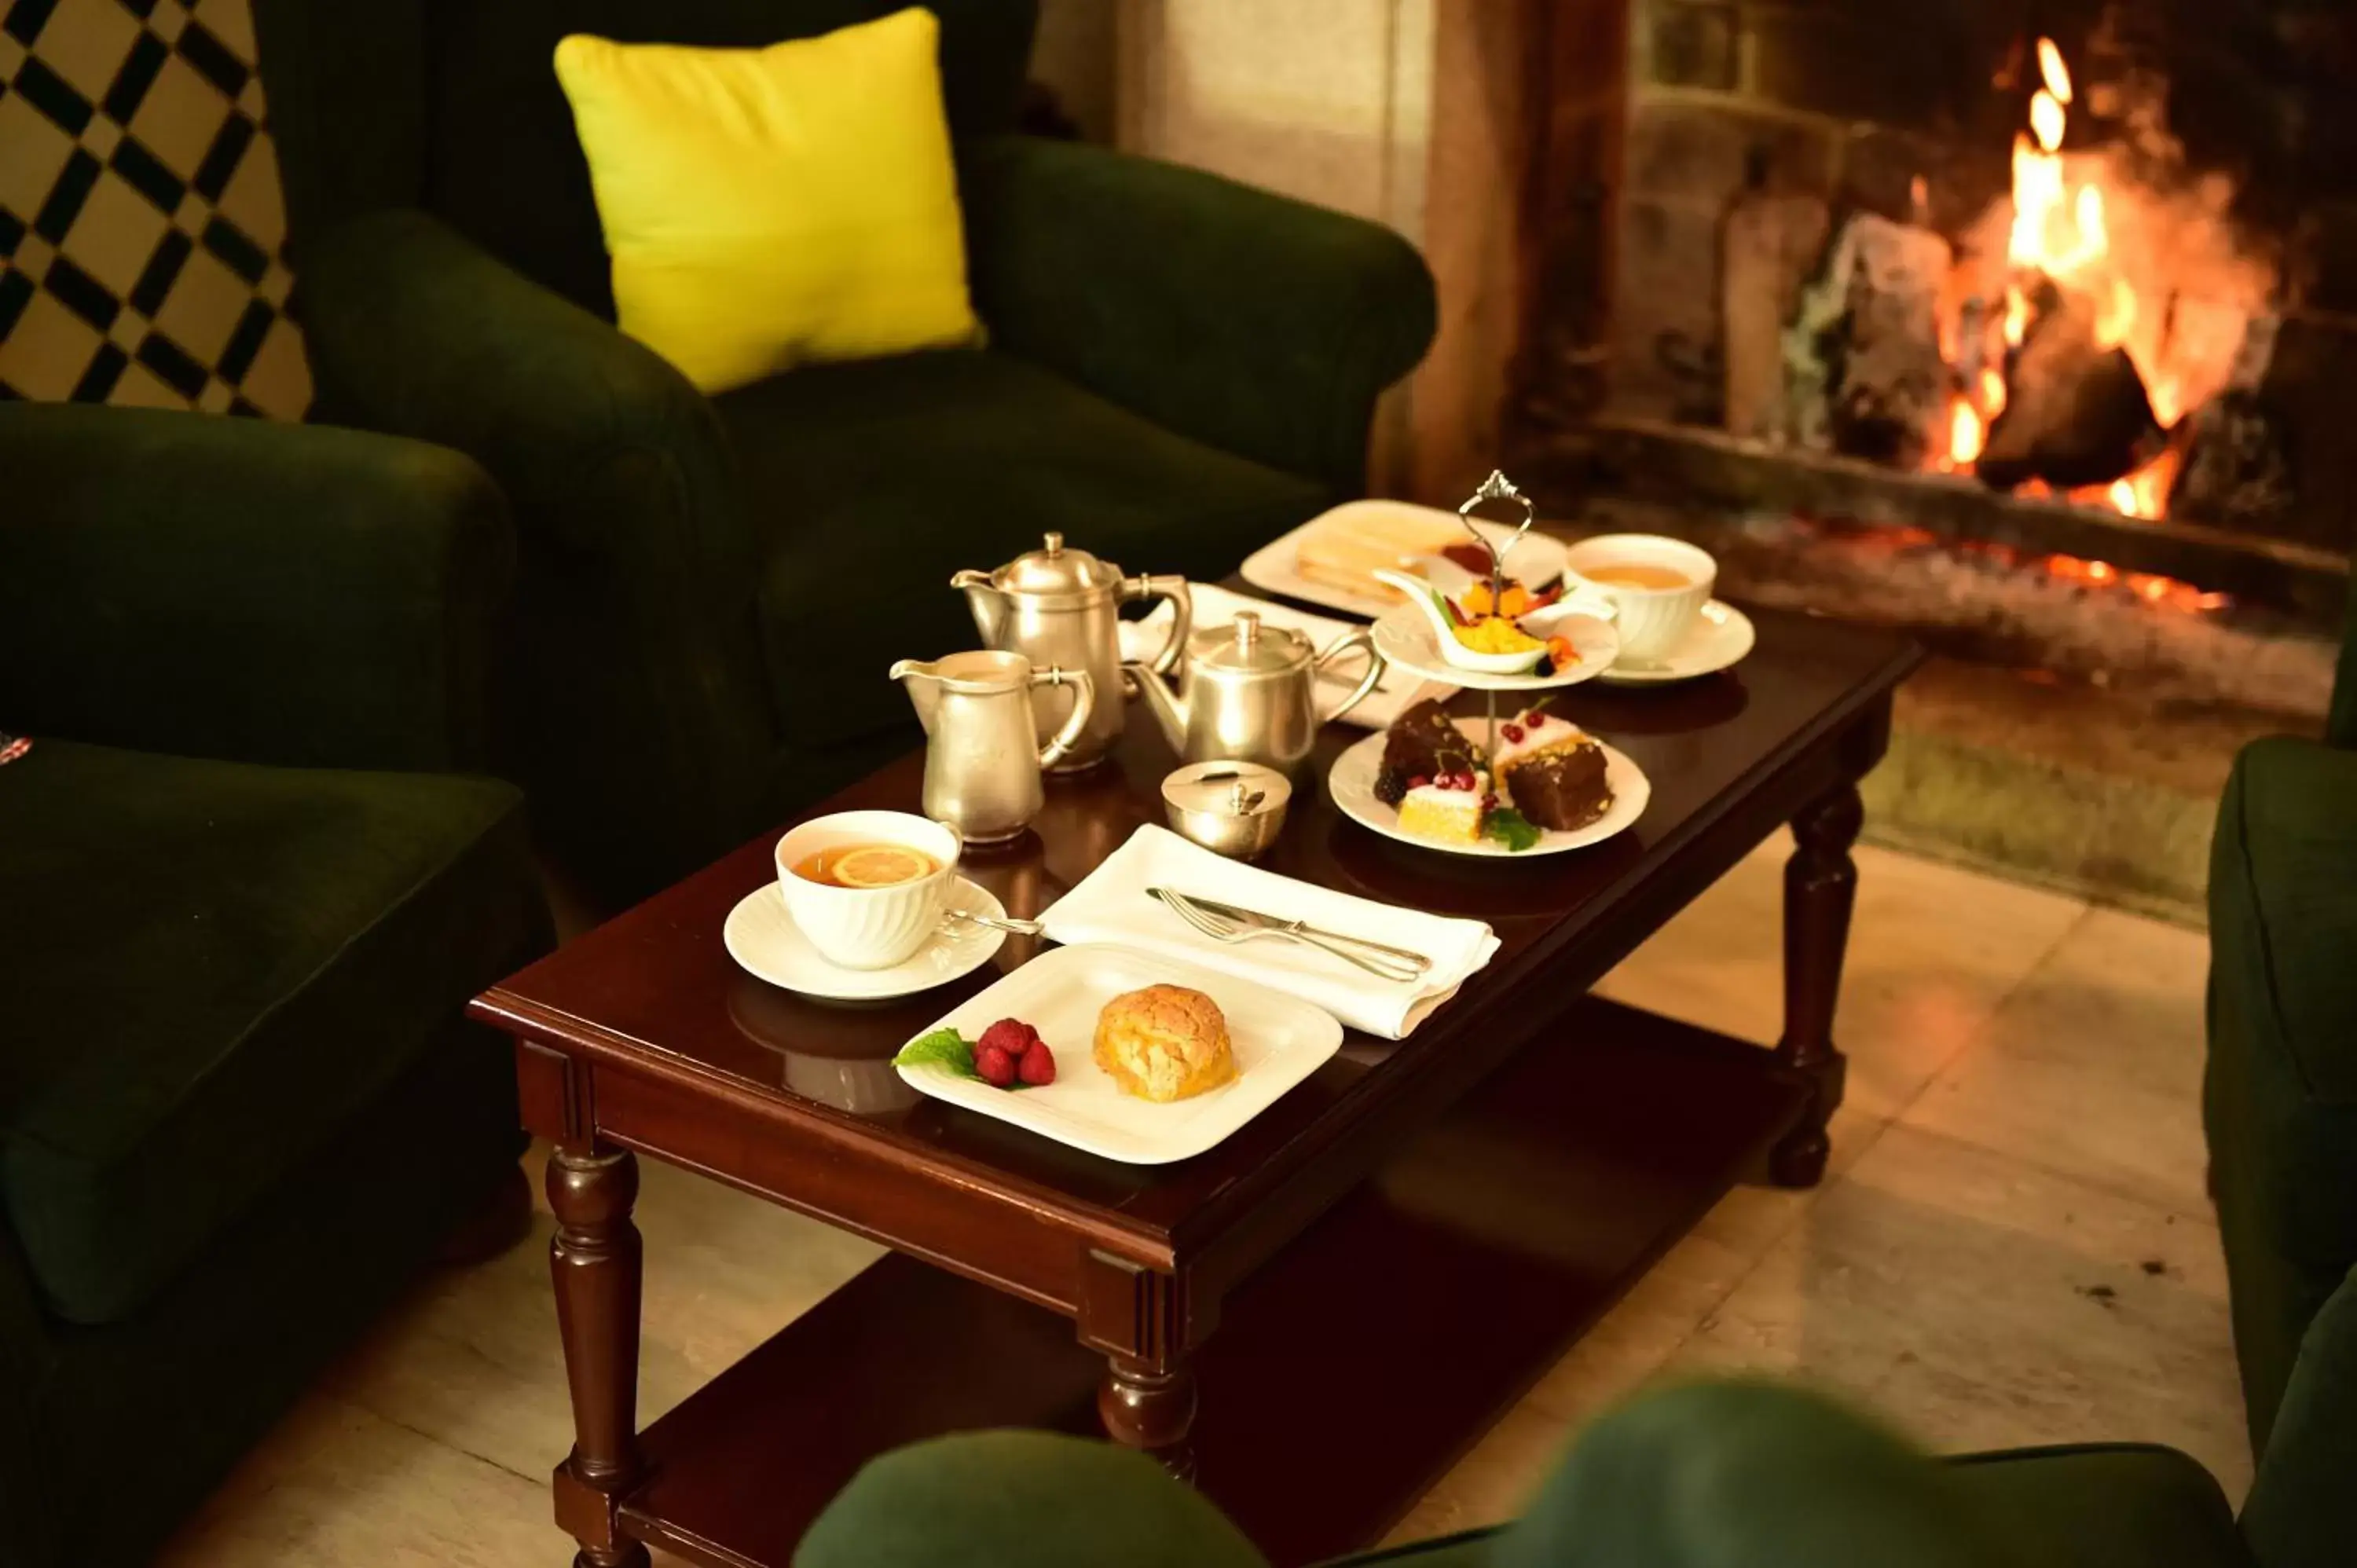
(1390, 786)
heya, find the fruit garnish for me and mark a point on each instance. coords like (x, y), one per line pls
(1419, 782)
(942, 1048)
(1510, 828)
(1038, 1064)
(1012, 1035)
(880, 866)
(1498, 635)
(993, 1064)
(1511, 732)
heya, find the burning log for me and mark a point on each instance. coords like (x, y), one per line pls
(2075, 414)
(1863, 371)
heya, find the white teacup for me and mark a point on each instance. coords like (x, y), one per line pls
(1652, 620)
(867, 927)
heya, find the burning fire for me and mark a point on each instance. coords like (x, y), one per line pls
(2062, 233)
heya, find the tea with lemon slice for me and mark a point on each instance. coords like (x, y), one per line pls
(866, 866)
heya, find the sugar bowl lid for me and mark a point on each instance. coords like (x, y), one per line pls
(1057, 572)
(1228, 789)
(1246, 646)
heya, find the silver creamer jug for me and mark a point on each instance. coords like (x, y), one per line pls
(982, 761)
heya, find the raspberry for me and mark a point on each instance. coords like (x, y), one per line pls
(997, 1068)
(1012, 1035)
(1419, 782)
(1039, 1066)
(1512, 733)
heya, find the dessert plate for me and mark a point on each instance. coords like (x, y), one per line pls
(1537, 560)
(1721, 635)
(1278, 1040)
(763, 937)
(1405, 638)
(1353, 783)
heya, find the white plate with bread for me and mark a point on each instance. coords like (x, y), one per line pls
(1331, 560)
(1237, 1046)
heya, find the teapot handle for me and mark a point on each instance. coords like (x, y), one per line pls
(1360, 640)
(1182, 615)
(1084, 702)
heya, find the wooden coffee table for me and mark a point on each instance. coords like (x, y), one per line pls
(1312, 1320)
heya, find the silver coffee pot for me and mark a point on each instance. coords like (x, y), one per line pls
(982, 759)
(1060, 607)
(1249, 693)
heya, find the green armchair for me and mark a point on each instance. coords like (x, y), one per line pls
(1749, 1476)
(241, 905)
(1180, 368)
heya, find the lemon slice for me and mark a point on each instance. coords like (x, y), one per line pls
(881, 866)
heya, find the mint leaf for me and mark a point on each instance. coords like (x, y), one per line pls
(1510, 828)
(944, 1049)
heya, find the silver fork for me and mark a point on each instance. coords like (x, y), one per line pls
(1220, 930)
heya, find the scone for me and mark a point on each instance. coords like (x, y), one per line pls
(1164, 1043)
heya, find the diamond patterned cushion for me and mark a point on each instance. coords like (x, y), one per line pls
(140, 215)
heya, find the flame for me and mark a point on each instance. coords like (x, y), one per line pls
(2060, 234)
(1966, 434)
(2053, 71)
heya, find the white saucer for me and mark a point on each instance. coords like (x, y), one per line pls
(1720, 636)
(1352, 781)
(764, 939)
(1405, 638)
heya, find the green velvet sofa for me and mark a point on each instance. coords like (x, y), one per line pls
(1752, 1475)
(242, 901)
(1178, 368)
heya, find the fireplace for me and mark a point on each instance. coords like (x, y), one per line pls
(2063, 281)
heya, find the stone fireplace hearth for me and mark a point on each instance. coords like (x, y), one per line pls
(1706, 161)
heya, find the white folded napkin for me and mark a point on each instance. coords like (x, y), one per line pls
(1397, 691)
(1110, 905)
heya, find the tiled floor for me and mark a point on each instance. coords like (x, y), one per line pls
(2013, 1247)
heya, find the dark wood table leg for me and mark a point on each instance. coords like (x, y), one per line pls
(1820, 887)
(595, 1259)
(1151, 1410)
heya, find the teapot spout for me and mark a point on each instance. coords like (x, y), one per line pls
(1167, 710)
(924, 684)
(988, 603)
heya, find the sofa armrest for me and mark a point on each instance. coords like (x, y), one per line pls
(1257, 324)
(227, 587)
(601, 446)
(2301, 1512)
(642, 722)
(2280, 1094)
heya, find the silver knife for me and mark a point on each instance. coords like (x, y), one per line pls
(1271, 923)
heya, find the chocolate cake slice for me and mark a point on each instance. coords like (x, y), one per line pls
(1562, 787)
(1422, 742)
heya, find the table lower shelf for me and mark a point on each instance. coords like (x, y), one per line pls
(1345, 1377)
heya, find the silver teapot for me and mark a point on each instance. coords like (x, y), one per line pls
(1060, 607)
(982, 761)
(1249, 693)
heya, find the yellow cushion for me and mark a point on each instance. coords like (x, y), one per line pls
(767, 207)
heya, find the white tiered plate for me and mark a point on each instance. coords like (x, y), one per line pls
(1278, 1040)
(1406, 638)
(1537, 560)
(1353, 783)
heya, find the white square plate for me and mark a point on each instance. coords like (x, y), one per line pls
(1278, 1040)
